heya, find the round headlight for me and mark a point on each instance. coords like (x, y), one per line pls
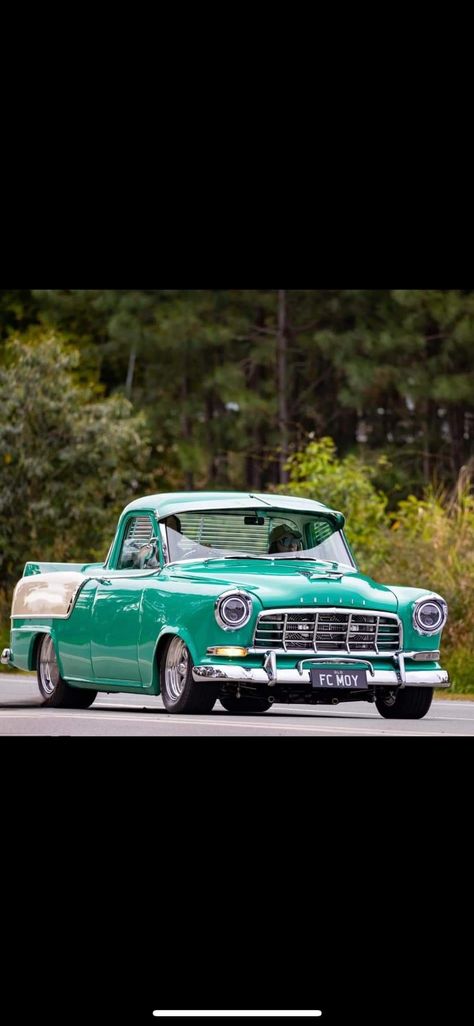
(430, 615)
(233, 610)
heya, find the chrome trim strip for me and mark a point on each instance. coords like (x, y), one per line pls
(364, 654)
(118, 575)
(383, 678)
(419, 656)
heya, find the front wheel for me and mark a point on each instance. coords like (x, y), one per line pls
(55, 691)
(407, 704)
(180, 693)
(244, 705)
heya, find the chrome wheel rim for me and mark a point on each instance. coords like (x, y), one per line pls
(48, 668)
(176, 669)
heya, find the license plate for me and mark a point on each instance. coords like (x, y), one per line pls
(340, 680)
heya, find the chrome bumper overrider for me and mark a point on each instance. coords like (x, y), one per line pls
(383, 678)
(5, 657)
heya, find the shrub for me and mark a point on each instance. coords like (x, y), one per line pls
(344, 484)
(428, 542)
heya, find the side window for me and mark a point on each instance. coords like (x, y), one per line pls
(138, 550)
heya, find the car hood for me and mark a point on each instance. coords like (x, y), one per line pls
(287, 583)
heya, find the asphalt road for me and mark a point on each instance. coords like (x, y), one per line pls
(21, 714)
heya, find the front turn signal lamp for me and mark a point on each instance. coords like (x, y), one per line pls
(233, 651)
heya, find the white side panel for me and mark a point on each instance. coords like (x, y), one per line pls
(47, 594)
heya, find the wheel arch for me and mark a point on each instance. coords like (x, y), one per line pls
(35, 642)
(34, 649)
(163, 639)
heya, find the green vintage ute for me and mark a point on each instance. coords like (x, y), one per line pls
(249, 599)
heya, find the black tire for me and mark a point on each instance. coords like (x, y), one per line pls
(179, 692)
(408, 704)
(81, 698)
(55, 691)
(244, 705)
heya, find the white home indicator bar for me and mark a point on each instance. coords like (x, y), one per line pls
(236, 1012)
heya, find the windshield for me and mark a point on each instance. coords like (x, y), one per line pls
(269, 534)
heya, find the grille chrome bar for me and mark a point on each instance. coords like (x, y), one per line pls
(328, 631)
(315, 635)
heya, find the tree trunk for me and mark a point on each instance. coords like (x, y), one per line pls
(282, 388)
(428, 466)
(211, 441)
(186, 426)
(130, 372)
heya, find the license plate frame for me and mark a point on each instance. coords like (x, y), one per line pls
(338, 679)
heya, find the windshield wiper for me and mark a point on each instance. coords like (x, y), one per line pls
(239, 555)
(333, 566)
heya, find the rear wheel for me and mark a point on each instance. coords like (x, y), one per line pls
(180, 693)
(407, 704)
(55, 691)
(244, 705)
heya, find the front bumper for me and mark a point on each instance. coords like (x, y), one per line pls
(380, 678)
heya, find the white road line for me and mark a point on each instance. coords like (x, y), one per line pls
(372, 716)
(221, 718)
(243, 723)
(284, 708)
(288, 711)
(240, 1013)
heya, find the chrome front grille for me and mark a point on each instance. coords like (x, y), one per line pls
(327, 631)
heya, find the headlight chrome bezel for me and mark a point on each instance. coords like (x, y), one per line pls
(219, 608)
(433, 600)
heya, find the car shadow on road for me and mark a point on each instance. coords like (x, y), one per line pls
(223, 714)
(217, 714)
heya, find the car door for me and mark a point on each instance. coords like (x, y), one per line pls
(117, 607)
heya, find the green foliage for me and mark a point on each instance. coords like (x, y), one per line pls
(344, 484)
(432, 547)
(68, 459)
(426, 543)
(459, 661)
(18, 310)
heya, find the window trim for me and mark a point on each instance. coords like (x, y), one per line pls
(120, 538)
